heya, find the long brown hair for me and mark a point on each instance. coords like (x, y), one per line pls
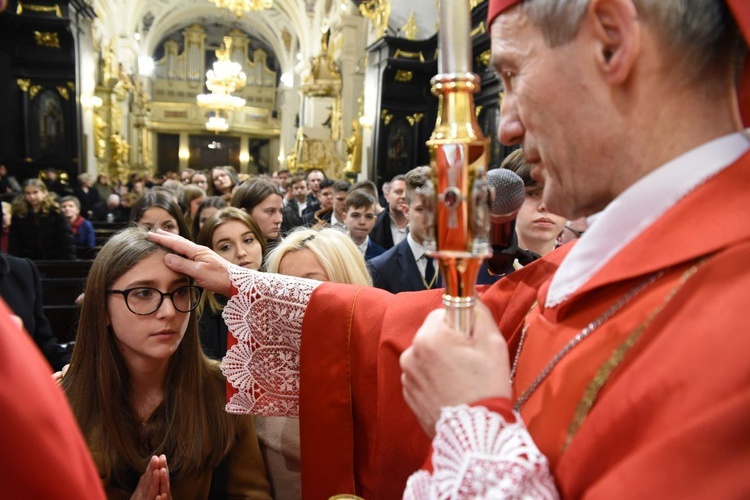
(190, 426)
(206, 234)
(21, 207)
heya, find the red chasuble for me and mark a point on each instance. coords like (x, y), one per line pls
(43, 452)
(654, 403)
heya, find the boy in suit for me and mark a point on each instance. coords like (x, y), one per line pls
(359, 220)
(406, 267)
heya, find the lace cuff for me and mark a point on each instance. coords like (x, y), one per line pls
(265, 317)
(477, 454)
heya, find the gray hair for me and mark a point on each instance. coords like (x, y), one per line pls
(701, 34)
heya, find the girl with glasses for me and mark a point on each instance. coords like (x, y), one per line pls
(149, 403)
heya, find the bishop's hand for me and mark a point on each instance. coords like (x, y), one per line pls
(200, 263)
(444, 367)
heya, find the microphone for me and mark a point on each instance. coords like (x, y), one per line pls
(508, 195)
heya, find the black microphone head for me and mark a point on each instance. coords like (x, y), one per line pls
(509, 191)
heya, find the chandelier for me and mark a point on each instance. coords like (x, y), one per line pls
(225, 77)
(239, 7)
(220, 101)
(217, 122)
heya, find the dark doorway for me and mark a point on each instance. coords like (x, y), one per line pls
(207, 151)
(168, 146)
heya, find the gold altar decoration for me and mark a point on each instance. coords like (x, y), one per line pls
(354, 143)
(120, 149)
(47, 39)
(354, 151)
(100, 136)
(324, 78)
(46, 9)
(410, 29)
(414, 118)
(316, 153)
(23, 84)
(239, 7)
(377, 11)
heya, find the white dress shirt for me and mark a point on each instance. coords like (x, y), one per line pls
(419, 254)
(638, 207)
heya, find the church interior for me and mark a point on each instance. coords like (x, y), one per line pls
(150, 87)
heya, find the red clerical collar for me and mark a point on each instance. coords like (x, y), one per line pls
(739, 8)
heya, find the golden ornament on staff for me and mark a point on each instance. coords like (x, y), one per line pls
(458, 157)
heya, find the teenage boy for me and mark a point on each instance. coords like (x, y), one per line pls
(359, 220)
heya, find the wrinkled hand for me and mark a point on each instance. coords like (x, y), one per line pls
(154, 483)
(443, 367)
(202, 264)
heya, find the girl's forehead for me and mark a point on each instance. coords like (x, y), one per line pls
(153, 267)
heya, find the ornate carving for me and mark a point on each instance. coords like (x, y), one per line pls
(100, 136)
(483, 59)
(354, 150)
(63, 91)
(377, 11)
(120, 149)
(410, 29)
(39, 8)
(415, 118)
(354, 143)
(34, 90)
(386, 117)
(23, 84)
(47, 39)
(408, 55)
(286, 38)
(324, 79)
(403, 76)
(109, 63)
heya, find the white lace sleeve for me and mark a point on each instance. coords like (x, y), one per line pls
(265, 317)
(477, 454)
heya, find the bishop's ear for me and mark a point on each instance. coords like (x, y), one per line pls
(616, 30)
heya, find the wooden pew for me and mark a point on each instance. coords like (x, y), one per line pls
(62, 281)
(63, 320)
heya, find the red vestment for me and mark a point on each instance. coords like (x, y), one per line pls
(669, 418)
(43, 452)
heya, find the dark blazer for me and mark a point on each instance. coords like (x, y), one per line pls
(21, 289)
(213, 331)
(41, 237)
(381, 231)
(88, 200)
(397, 271)
(119, 213)
(292, 218)
(373, 250)
(313, 205)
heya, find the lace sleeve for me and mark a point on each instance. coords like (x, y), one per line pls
(477, 454)
(265, 317)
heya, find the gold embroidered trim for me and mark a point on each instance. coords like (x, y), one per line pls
(605, 371)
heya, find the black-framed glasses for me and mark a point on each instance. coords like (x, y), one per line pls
(144, 300)
(576, 232)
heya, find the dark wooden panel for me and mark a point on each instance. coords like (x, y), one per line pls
(168, 147)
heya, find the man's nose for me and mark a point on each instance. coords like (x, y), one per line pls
(511, 129)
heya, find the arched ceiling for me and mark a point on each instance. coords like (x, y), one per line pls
(302, 19)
